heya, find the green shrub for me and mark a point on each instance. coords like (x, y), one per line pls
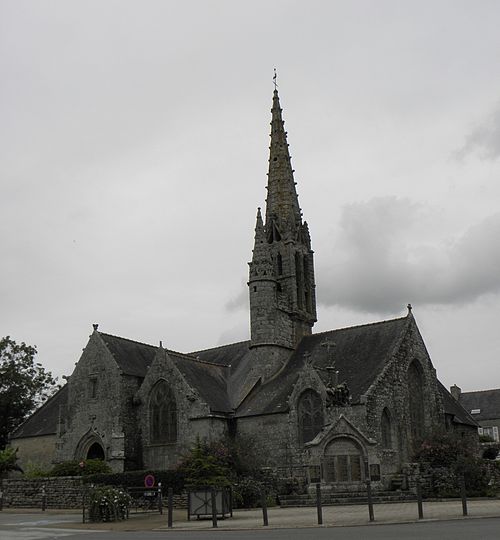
(108, 504)
(8, 461)
(80, 468)
(203, 468)
(32, 470)
(449, 458)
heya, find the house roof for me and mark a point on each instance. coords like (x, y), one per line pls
(486, 401)
(44, 420)
(359, 353)
(454, 408)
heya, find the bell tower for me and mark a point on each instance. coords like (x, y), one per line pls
(281, 283)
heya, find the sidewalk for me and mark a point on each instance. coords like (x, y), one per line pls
(302, 517)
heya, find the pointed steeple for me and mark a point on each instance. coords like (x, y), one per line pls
(281, 281)
(282, 205)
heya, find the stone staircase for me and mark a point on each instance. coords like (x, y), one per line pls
(347, 497)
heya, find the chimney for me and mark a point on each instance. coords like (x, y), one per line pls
(456, 391)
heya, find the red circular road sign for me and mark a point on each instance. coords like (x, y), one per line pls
(149, 481)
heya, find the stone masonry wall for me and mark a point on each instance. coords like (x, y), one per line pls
(94, 418)
(62, 492)
(193, 416)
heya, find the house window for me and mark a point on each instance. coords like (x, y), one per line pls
(162, 414)
(310, 415)
(386, 429)
(489, 431)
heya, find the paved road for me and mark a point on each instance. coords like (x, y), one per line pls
(470, 529)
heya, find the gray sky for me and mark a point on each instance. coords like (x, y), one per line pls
(134, 142)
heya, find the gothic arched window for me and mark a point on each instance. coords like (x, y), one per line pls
(310, 415)
(279, 260)
(386, 429)
(162, 414)
(416, 400)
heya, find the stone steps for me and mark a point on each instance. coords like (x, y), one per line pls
(345, 498)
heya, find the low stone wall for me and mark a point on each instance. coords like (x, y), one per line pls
(60, 492)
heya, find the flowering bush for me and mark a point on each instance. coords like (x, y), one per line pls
(108, 504)
(448, 458)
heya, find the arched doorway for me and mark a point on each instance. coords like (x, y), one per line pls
(95, 451)
(343, 461)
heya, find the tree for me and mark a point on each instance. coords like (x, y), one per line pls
(24, 385)
(8, 461)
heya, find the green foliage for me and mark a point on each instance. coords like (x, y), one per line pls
(32, 470)
(485, 438)
(169, 479)
(450, 458)
(24, 385)
(8, 461)
(108, 504)
(205, 466)
(247, 492)
(226, 462)
(83, 468)
(491, 452)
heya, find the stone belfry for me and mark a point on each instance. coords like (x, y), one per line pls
(281, 283)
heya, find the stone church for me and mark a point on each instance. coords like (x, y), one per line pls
(331, 407)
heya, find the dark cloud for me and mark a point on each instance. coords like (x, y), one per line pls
(378, 268)
(484, 139)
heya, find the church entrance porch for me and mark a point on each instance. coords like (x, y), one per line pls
(342, 465)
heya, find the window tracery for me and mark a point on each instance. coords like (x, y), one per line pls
(310, 415)
(162, 414)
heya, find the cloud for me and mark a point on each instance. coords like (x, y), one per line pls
(483, 139)
(382, 262)
(240, 301)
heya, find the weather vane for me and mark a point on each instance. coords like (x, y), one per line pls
(274, 79)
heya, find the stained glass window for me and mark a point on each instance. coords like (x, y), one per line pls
(310, 414)
(162, 414)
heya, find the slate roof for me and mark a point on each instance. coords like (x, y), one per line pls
(208, 378)
(454, 408)
(44, 420)
(360, 353)
(488, 401)
(132, 357)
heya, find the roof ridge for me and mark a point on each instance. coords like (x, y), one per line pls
(360, 325)
(481, 391)
(128, 339)
(221, 346)
(186, 356)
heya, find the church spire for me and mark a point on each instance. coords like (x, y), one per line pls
(282, 205)
(281, 279)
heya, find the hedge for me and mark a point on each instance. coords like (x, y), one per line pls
(170, 478)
